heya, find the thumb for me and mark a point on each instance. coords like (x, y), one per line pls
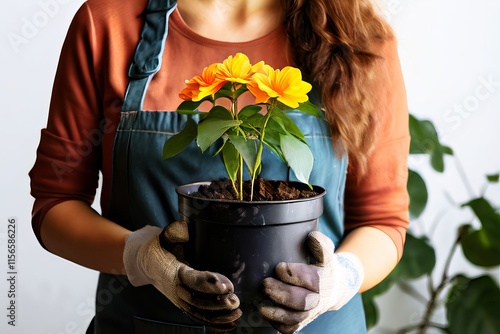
(321, 247)
(176, 231)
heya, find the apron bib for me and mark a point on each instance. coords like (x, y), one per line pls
(143, 193)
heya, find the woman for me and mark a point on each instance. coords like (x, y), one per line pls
(341, 46)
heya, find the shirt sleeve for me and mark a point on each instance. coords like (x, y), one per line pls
(379, 197)
(68, 156)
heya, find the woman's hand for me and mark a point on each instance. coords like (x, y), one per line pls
(302, 292)
(205, 295)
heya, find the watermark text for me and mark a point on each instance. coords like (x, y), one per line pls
(11, 273)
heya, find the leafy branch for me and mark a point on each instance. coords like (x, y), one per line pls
(471, 303)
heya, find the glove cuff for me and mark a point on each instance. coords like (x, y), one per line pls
(133, 244)
(354, 274)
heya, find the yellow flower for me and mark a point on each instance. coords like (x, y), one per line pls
(285, 85)
(236, 69)
(201, 86)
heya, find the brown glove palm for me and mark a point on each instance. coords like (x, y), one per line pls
(302, 292)
(207, 296)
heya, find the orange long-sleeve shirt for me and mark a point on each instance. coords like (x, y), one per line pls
(91, 81)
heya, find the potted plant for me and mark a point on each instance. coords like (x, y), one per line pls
(241, 232)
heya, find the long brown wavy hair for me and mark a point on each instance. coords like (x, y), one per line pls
(335, 42)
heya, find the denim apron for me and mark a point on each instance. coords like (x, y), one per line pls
(143, 193)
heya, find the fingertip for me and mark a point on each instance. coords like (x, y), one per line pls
(267, 311)
(269, 282)
(321, 238)
(223, 283)
(232, 302)
(287, 329)
(320, 246)
(311, 301)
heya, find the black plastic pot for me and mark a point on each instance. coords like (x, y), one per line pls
(246, 240)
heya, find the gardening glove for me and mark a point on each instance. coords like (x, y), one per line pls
(205, 295)
(302, 292)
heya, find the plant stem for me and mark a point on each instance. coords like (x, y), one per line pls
(437, 221)
(240, 176)
(408, 289)
(407, 329)
(464, 178)
(251, 188)
(410, 328)
(234, 112)
(260, 149)
(435, 293)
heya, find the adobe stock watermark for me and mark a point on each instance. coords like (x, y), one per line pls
(392, 8)
(85, 312)
(12, 273)
(456, 115)
(31, 25)
(461, 111)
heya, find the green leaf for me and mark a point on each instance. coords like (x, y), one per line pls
(479, 250)
(190, 107)
(288, 124)
(248, 111)
(447, 150)
(220, 112)
(472, 306)
(231, 160)
(272, 141)
(495, 178)
(211, 129)
(178, 142)
(488, 216)
(418, 194)
(424, 140)
(298, 156)
(437, 160)
(309, 108)
(247, 148)
(276, 125)
(253, 122)
(224, 91)
(239, 91)
(419, 258)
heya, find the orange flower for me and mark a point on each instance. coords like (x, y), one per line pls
(236, 69)
(264, 71)
(201, 86)
(285, 85)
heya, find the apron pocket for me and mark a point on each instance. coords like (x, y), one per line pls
(146, 326)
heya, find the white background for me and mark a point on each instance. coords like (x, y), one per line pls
(448, 50)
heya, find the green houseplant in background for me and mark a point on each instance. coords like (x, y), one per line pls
(471, 304)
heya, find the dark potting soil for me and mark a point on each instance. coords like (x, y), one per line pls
(264, 190)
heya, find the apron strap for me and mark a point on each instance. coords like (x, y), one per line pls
(148, 53)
